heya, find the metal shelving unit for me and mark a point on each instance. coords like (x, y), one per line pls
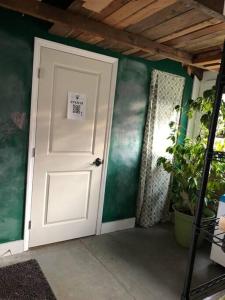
(208, 288)
(213, 233)
(210, 229)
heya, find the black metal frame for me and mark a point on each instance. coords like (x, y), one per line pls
(198, 226)
(212, 232)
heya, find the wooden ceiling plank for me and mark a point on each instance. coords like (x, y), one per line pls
(126, 10)
(188, 36)
(188, 30)
(55, 15)
(201, 46)
(111, 8)
(183, 21)
(216, 61)
(77, 7)
(204, 41)
(146, 12)
(207, 39)
(209, 49)
(206, 65)
(207, 57)
(96, 6)
(213, 67)
(160, 16)
(205, 8)
(216, 5)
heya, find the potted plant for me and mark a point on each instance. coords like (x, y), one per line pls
(185, 165)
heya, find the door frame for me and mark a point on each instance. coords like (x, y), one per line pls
(38, 44)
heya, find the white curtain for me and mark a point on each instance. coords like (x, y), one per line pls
(166, 92)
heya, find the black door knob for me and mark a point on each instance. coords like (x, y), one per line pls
(98, 162)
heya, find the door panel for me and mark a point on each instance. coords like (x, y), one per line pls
(66, 183)
(59, 141)
(71, 205)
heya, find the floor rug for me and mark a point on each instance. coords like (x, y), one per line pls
(24, 281)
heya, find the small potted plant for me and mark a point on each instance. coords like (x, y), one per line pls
(186, 164)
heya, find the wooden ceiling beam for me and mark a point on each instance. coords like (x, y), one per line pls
(75, 21)
(195, 71)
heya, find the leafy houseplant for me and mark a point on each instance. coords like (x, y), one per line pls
(186, 164)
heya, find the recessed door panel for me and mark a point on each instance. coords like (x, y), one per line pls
(65, 132)
(67, 196)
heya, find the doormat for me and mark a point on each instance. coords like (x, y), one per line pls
(24, 281)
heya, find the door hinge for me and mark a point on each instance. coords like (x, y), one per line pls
(33, 152)
(39, 72)
(29, 225)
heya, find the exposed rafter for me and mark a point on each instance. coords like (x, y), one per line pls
(75, 21)
(88, 24)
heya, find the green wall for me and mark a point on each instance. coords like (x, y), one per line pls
(127, 132)
(16, 53)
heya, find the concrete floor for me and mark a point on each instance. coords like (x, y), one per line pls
(132, 264)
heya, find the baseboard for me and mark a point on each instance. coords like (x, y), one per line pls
(11, 248)
(117, 225)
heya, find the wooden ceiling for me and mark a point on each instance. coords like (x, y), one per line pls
(188, 31)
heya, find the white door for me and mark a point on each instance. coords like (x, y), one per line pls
(71, 125)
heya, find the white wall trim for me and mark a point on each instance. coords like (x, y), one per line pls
(208, 80)
(34, 100)
(32, 133)
(11, 248)
(107, 144)
(117, 225)
(194, 95)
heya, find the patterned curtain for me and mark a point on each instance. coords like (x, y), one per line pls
(166, 92)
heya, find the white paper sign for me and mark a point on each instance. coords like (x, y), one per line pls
(76, 107)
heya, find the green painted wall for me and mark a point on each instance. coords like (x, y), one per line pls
(127, 132)
(16, 54)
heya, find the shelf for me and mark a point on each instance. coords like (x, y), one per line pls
(212, 232)
(209, 288)
(210, 228)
